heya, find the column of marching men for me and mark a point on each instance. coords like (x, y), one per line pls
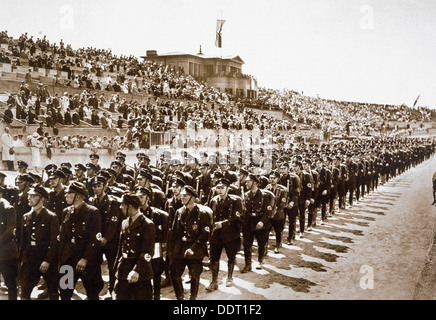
(151, 222)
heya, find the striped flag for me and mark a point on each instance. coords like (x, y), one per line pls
(219, 28)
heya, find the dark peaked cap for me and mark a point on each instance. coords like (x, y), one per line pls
(57, 174)
(39, 190)
(191, 191)
(131, 199)
(77, 187)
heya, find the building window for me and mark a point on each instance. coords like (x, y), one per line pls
(191, 68)
(209, 69)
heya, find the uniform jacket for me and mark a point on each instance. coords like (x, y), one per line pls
(190, 230)
(228, 212)
(157, 198)
(204, 183)
(111, 218)
(325, 182)
(281, 201)
(294, 188)
(39, 238)
(21, 208)
(160, 221)
(306, 181)
(136, 248)
(171, 206)
(8, 220)
(56, 203)
(335, 178)
(258, 207)
(80, 234)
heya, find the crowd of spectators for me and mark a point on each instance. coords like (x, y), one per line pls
(177, 101)
(99, 69)
(336, 116)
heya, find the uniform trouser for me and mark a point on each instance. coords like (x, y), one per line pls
(158, 265)
(110, 254)
(91, 278)
(302, 215)
(311, 213)
(177, 267)
(30, 276)
(332, 198)
(324, 201)
(231, 247)
(278, 226)
(9, 269)
(292, 214)
(341, 195)
(357, 190)
(261, 237)
(375, 181)
(351, 195)
(141, 290)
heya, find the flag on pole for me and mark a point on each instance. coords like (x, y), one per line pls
(219, 28)
(416, 101)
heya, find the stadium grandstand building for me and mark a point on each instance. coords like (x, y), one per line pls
(223, 73)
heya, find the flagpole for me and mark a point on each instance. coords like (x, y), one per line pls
(221, 44)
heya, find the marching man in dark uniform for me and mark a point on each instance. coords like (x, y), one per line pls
(227, 212)
(56, 201)
(160, 220)
(255, 221)
(79, 247)
(325, 182)
(203, 182)
(187, 242)
(305, 197)
(79, 173)
(171, 206)
(111, 217)
(135, 251)
(281, 200)
(39, 246)
(24, 181)
(91, 172)
(342, 184)
(94, 159)
(8, 246)
(352, 176)
(144, 179)
(293, 185)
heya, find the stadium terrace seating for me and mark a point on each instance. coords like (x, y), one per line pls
(74, 71)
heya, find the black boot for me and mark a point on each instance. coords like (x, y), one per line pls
(195, 285)
(215, 269)
(247, 256)
(178, 288)
(230, 267)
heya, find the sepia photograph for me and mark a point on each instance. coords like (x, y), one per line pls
(230, 152)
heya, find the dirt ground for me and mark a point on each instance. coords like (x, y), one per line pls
(381, 248)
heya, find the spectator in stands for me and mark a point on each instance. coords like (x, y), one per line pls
(95, 120)
(28, 76)
(67, 117)
(8, 115)
(31, 115)
(75, 117)
(104, 120)
(7, 142)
